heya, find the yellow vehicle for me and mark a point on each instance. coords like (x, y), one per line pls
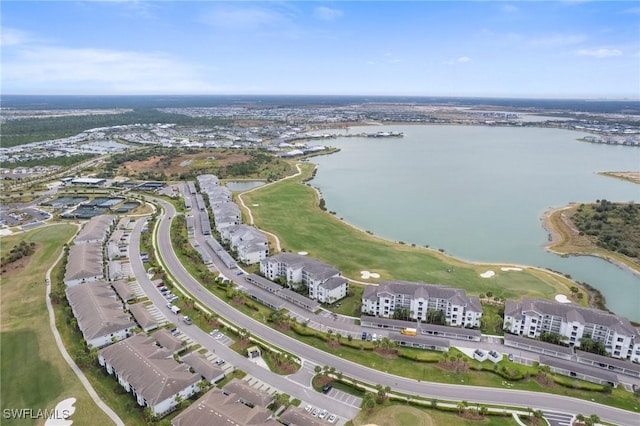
(409, 331)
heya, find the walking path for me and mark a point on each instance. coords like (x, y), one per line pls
(63, 351)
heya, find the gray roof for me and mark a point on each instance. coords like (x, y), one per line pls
(299, 417)
(583, 315)
(96, 309)
(248, 393)
(422, 290)
(316, 269)
(510, 338)
(266, 298)
(434, 329)
(84, 261)
(423, 340)
(151, 370)
(203, 366)
(579, 369)
(334, 282)
(123, 289)
(218, 408)
(95, 229)
(143, 316)
(167, 340)
(264, 283)
(599, 359)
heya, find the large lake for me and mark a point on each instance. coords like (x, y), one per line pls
(479, 193)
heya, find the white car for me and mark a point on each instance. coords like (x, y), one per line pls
(332, 419)
(308, 408)
(323, 414)
(314, 413)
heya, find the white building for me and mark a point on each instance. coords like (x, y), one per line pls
(251, 245)
(533, 317)
(417, 299)
(324, 283)
(149, 372)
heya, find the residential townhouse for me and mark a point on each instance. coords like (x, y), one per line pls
(324, 283)
(149, 372)
(95, 230)
(532, 317)
(225, 406)
(417, 299)
(99, 314)
(84, 264)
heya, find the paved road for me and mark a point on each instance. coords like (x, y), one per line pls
(297, 389)
(496, 396)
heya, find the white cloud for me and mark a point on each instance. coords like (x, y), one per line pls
(13, 37)
(112, 71)
(244, 18)
(459, 60)
(327, 14)
(600, 52)
(557, 40)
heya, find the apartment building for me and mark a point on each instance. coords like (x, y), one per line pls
(324, 283)
(418, 299)
(532, 317)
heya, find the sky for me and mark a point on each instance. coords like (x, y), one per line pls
(528, 49)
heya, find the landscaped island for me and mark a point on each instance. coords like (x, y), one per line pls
(604, 229)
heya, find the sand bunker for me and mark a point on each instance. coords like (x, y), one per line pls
(365, 275)
(487, 274)
(510, 269)
(64, 409)
(303, 253)
(255, 205)
(561, 298)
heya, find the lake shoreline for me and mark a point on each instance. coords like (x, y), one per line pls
(561, 233)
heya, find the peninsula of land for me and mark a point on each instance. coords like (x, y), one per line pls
(603, 229)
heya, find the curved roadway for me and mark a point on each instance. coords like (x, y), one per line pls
(494, 396)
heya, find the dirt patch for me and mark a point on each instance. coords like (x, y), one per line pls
(457, 366)
(544, 380)
(182, 163)
(13, 267)
(321, 381)
(333, 344)
(387, 353)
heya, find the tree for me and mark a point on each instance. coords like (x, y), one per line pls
(462, 407)
(592, 420)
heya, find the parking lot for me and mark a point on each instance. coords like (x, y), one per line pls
(344, 397)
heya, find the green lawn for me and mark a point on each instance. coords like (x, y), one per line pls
(393, 414)
(290, 209)
(34, 374)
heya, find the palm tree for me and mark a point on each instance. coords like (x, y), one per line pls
(461, 406)
(580, 418)
(593, 420)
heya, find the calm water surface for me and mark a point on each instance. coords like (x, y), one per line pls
(479, 193)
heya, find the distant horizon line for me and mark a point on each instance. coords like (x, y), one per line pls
(532, 97)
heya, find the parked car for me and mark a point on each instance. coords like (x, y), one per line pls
(187, 320)
(323, 414)
(364, 335)
(327, 388)
(332, 419)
